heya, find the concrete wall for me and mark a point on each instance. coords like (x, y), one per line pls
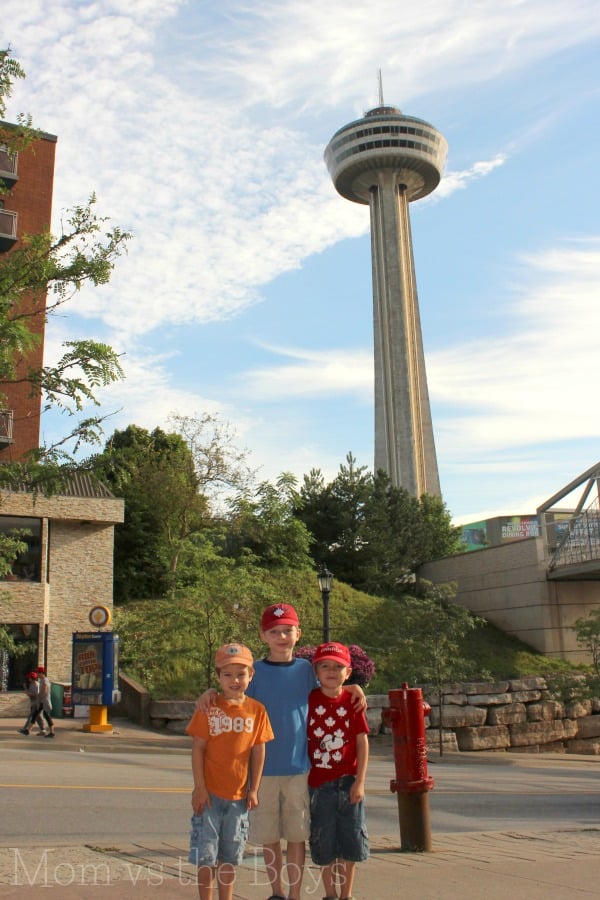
(507, 585)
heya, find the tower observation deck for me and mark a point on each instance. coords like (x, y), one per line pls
(386, 160)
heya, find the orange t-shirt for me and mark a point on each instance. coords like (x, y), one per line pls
(230, 731)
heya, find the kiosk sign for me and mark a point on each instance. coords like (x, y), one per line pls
(95, 668)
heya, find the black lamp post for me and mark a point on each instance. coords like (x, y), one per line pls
(325, 579)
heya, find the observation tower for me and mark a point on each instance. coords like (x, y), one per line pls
(386, 160)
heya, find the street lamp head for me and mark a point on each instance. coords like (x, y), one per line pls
(325, 579)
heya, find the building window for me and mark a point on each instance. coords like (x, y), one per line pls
(14, 666)
(27, 565)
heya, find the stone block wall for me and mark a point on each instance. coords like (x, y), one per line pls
(518, 716)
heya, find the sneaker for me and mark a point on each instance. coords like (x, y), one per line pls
(24, 730)
(41, 733)
(50, 734)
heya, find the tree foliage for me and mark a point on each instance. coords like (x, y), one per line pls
(371, 533)
(154, 473)
(265, 525)
(220, 465)
(587, 633)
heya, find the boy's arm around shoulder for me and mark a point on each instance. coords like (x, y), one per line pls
(206, 700)
(357, 791)
(257, 764)
(359, 701)
(200, 798)
(264, 733)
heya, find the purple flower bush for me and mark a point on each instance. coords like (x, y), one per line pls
(363, 667)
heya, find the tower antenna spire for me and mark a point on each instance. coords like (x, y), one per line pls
(380, 84)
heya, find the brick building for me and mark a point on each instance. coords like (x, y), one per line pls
(68, 566)
(25, 209)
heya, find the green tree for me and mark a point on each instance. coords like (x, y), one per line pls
(170, 647)
(335, 517)
(220, 465)
(266, 526)
(434, 628)
(154, 473)
(44, 266)
(587, 633)
(17, 137)
(401, 532)
(370, 533)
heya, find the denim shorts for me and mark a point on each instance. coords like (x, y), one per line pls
(219, 835)
(337, 827)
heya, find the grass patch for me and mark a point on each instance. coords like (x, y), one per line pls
(169, 645)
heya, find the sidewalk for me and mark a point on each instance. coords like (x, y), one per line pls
(521, 865)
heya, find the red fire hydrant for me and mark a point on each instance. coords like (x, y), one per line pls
(406, 717)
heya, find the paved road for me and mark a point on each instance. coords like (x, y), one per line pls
(106, 791)
(106, 816)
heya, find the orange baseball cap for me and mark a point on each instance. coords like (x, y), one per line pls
(234, 653)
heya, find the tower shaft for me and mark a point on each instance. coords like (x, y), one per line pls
(404, 443)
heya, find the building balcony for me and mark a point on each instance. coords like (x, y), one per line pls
(8, 167)
(8, 229)
(6, 427)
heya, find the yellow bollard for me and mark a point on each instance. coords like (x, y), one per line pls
(98, 720)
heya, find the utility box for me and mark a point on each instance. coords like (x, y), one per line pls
(57, 695)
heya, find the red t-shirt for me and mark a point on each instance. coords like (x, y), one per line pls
(332, 729)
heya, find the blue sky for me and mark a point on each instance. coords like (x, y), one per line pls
(246, 291)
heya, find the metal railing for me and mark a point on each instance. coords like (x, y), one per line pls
(8, 224)
(8, 163)
(6, 426)
(581, 541)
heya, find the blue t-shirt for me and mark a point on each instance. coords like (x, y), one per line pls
(284, 688)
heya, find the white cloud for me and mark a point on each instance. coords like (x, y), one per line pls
(456, 181)
(219, 202)
(540, 379)
(321, 373)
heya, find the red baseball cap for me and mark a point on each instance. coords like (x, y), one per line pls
(279, 614)
(334, 651)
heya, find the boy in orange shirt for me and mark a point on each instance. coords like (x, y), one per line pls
(228, 754)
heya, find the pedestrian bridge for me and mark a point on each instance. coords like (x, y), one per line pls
(572, 536)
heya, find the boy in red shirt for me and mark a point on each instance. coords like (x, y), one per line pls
(339, 751)
(228, 755)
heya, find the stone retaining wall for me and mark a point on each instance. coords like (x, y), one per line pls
(518, 715)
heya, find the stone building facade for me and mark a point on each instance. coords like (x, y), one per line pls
(60, 578)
